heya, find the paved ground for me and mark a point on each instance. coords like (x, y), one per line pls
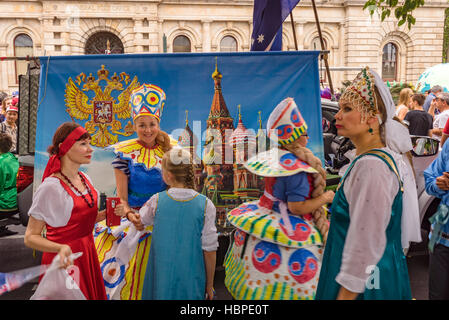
(418, 266)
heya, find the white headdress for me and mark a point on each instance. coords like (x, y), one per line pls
(397, 138)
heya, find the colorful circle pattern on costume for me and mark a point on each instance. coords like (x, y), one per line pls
(301, 230)
(302, 265)
(290, 162)
(266, 257)
(152, 98)
(244, 209)
(113, 272)
(284, 131)
(137, 99)
(239, 237)
(296, 118)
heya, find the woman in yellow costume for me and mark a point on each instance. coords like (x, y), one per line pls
(279, 240)
(122, 250)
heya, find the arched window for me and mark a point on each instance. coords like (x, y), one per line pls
(100, 42)
(389, 61)
(23, 46)
(316, 44)
(228, 44)
(181, 44)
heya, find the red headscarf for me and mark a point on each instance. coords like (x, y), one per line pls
(54, 164)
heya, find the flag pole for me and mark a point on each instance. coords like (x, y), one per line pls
(294, 31)
(325, 55)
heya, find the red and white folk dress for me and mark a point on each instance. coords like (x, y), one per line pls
(69, 220)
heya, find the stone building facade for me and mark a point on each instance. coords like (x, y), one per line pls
(354, 39)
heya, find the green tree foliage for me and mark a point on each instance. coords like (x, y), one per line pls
(446, 37)
(403, 11)
(396, 88)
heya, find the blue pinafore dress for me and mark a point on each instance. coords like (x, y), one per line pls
(176, 269)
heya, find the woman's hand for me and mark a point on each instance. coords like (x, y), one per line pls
(135, 220)
(120, 210)
(101, 215)
(328, 196)
(64, 256)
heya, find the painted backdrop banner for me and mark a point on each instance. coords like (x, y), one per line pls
(93, 91)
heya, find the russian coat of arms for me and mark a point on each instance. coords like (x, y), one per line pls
(102, 108)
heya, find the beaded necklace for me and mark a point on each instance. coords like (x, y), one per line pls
(85, 184)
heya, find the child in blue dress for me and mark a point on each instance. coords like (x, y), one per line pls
(184, 242)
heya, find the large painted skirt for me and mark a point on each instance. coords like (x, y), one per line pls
(265, 263)
(123, 261)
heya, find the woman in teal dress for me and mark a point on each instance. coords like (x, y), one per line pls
(374, 214)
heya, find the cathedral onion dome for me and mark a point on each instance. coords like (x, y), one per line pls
(242, 135)
(216, 75)
(218, 108)
(263, 141)
(187, 138)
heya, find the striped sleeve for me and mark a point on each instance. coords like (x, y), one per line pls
(121, 165)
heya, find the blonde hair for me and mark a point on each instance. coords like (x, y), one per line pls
(178, 162)
(163, 139)
(404, 96)
(304, 154)
(319, 183)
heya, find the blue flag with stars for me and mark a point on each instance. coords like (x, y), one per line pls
(268, 16)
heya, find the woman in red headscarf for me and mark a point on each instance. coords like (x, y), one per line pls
(66, 204)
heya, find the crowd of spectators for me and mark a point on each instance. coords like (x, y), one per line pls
(425, 114)
(9, 164)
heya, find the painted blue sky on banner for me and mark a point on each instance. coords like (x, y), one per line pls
(257, 81)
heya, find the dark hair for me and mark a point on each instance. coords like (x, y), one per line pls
(419, 97)
(5, 142)
(62, 133)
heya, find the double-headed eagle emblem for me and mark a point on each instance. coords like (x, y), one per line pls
(102, 108)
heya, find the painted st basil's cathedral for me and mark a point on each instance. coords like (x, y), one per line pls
(221, 178)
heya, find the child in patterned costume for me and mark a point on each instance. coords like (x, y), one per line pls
(137, 168)
(278, 246)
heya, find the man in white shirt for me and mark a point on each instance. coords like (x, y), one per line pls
(442, 103)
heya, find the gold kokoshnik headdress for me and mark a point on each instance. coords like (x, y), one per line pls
(361, 94)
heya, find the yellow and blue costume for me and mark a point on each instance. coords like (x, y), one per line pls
(142, 165)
